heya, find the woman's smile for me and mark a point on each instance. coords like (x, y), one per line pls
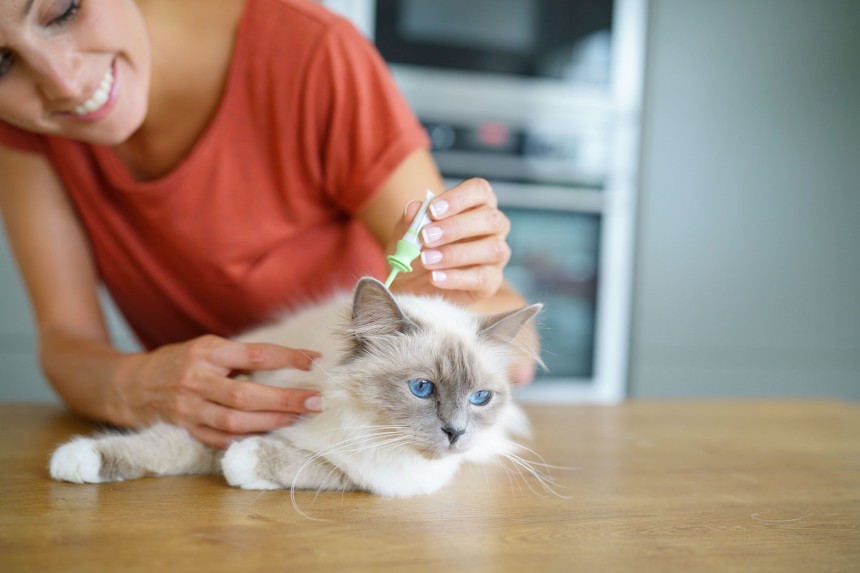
(102, 99)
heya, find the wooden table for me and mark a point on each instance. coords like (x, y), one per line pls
(670, 486)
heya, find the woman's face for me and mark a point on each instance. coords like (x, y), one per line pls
(74, 68)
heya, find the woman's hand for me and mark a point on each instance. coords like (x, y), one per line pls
(465, 248)
(191, 385)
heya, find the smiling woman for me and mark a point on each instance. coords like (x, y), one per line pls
(68, 66)
(212, 163)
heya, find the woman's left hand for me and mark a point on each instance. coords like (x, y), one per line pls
(465, 248)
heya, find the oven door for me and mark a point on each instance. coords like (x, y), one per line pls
(555, 260)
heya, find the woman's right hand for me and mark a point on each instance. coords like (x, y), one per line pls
(191, 385)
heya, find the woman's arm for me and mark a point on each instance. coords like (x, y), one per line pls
(186, 384)
(472, 248)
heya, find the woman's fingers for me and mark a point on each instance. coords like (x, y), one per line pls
(213, 437)
(478, 279)
(467, 195)
(245, 356)
(466, 211)
(470, 224)
(486, 251)
(246, 396)
(237, 422)
(227, 410)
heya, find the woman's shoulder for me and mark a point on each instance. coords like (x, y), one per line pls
(285, 36)
(309, 17)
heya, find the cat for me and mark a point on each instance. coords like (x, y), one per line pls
(413, 387)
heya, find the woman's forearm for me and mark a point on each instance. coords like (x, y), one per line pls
(87, 374)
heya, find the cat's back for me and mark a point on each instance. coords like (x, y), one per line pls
(314, 326)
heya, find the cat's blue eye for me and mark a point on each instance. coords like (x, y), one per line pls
(480, 397)
(421, 388)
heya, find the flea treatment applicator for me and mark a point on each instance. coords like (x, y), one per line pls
(409, 246)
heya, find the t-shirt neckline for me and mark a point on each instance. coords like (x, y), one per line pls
(121, 177)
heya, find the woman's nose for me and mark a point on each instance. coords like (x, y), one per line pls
(59, 74)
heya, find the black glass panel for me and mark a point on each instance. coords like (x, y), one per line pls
(555, 261)
(561, 39)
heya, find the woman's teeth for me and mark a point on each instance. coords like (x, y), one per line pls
(99, 98)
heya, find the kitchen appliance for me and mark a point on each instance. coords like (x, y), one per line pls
(542, 98)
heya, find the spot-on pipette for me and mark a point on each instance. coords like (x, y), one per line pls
(409, 247)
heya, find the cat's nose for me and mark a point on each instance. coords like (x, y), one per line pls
(453, 434)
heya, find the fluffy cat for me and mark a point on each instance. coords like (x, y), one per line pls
(413, 386)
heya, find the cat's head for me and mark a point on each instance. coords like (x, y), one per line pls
(436, 375)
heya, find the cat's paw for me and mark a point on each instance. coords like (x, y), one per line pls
(77, 461)
(240, 466)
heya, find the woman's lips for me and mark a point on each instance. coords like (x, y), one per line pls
(102, 100)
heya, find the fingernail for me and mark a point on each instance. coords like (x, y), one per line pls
(431, 234)
(431, 257)
(439, 276)
(314, 404)
(438, 208)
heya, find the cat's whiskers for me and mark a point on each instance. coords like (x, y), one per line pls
(513, 448)
(544, 480)
(542, 463)
(522, 478)
(526, 351)
(486, 477)
(510, 475)
(348, 429)
(475, 477)
(335, 381)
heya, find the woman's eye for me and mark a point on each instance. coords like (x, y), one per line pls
(68, 14)
(421, 388)
(6, 60)
(480, 397)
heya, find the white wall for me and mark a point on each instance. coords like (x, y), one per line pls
(748, 258)
(20, 379)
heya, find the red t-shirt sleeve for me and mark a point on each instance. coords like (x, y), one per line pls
(21, 140)
(366, 127)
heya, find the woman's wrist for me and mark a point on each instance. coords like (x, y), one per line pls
(89, 374)
(118, 395)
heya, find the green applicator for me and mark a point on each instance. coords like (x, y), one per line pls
(409, 247)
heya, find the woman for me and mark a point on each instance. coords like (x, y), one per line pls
(211, 163)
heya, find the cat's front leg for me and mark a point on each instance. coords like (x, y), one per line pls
(160, 450)
(273, 462)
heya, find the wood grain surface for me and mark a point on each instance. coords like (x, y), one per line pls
(649, 486)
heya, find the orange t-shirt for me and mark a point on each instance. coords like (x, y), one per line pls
(259, 217)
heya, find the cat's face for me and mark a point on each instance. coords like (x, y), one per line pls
(434, 381)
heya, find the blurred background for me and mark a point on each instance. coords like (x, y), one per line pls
(683, 178)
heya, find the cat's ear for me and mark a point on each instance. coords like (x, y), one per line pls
(375, 312)
(504, 327)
